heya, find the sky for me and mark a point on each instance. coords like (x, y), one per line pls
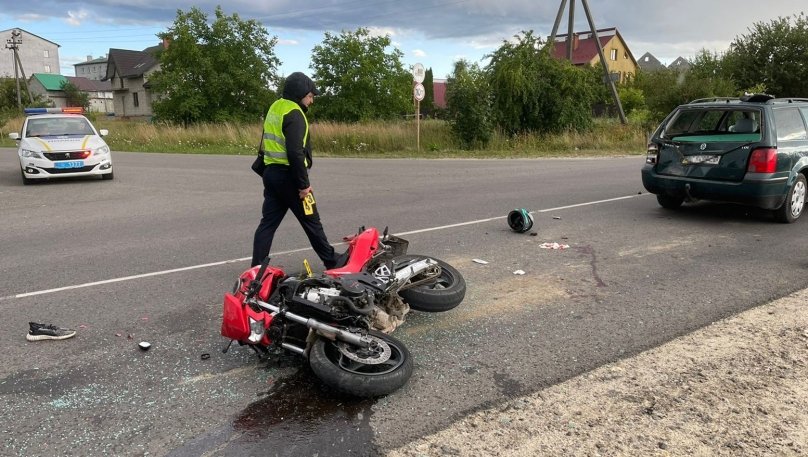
(435, 33)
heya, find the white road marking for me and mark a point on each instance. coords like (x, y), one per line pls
(225, 262)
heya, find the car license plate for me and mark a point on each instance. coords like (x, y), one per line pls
(70, 164)
(701, 159)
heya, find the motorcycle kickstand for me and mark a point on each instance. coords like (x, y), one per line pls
(227, 348)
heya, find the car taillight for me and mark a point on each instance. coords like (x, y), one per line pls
(763, 160)
(651, 154)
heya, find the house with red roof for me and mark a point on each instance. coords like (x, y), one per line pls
(621, 63)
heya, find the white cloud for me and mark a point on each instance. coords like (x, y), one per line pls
(76, 17)
(418, 53)
(285, 42)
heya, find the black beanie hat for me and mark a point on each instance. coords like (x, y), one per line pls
(297, 86)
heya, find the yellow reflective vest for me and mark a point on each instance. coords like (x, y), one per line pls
(274, 141)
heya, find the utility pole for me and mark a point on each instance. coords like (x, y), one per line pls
(594, 30)
(13, 44)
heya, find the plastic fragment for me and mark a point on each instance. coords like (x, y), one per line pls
(553, 246)
(144, 345)
(519, 272)
(480, 261)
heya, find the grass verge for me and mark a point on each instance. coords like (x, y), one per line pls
(427, 139)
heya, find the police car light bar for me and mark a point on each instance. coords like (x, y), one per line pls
(65, 110)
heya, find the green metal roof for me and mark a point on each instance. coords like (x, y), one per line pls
(50, 81)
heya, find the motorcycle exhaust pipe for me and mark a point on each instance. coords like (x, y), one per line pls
(404, 274)
(325, 330)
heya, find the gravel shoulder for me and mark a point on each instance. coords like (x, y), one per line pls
(736, 387)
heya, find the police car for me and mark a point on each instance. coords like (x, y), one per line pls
(61, 143)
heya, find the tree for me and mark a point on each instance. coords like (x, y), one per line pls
(533, 92)
(8, 99)
(773, 54)
(468, 102)
(664, 90)
(74, 96)
(428, 103)
(359, 78)
(214, 71)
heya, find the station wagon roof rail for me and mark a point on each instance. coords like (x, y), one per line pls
(752, 98)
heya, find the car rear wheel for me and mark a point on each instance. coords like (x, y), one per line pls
(795, 202)
(669, 202)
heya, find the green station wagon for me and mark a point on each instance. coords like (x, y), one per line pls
(751, 150)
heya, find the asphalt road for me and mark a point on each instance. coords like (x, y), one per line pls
(148, 256)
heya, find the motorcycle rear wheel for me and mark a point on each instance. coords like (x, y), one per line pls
(348, 374)
(441, 294)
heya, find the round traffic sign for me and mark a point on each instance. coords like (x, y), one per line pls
(418, 73)
(419, 92)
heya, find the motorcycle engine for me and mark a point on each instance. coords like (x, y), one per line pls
(362, 296)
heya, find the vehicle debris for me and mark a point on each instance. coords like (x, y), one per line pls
(554, 246)
(480, 261)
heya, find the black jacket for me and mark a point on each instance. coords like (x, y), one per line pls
(299, 154)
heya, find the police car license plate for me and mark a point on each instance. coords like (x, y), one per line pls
(70, 164)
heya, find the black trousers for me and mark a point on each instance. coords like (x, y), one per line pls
(281, 195)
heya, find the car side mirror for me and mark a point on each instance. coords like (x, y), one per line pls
(14, 136)
(103, 132)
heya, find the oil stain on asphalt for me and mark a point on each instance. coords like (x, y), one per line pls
(296, 417)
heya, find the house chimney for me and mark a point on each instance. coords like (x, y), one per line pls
(89, 58)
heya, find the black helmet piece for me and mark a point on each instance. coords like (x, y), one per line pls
(520, 220)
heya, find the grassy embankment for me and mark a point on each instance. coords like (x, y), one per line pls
(376, 139)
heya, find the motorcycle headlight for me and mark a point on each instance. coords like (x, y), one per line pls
(101, 151)
(31, 154)
(256, 331)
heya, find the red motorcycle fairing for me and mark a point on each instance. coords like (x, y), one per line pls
(236, 314)
(236, 317)
(361, 248)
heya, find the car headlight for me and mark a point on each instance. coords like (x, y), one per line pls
(102, 150)
(31, 154)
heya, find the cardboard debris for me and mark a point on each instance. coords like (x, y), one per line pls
(553, 246)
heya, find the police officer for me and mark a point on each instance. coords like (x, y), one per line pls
(287, 155)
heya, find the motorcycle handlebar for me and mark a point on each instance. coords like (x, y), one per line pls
(255, 285)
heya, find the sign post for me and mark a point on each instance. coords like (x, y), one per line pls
(418, 92)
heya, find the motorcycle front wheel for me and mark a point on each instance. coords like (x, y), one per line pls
(438, 294)
(362, 372)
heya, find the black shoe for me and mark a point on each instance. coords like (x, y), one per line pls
(340, 260)
(40, 332)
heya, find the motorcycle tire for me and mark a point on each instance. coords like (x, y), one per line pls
(441, 294)
(351, 376)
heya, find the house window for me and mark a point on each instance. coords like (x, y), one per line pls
(46, 53)
(47, 68)
(135, 100)
(614, 54)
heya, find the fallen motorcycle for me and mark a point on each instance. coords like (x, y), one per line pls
(340, 320)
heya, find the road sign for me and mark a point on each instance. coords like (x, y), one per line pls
(419, 92)
(418, 73)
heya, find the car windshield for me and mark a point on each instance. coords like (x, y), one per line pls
(714, 124)
(58, 126)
